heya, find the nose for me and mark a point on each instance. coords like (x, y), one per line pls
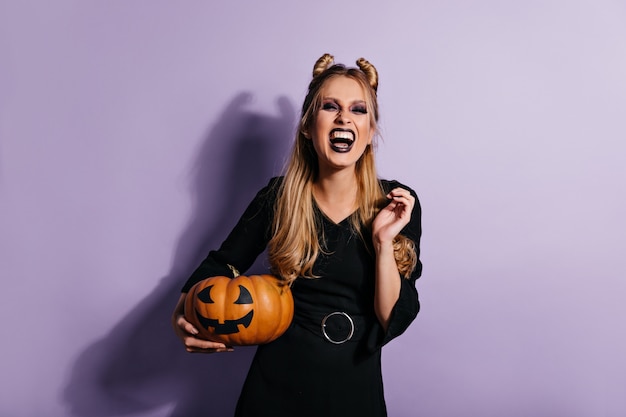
(341, 118)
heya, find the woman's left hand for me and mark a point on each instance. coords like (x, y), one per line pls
(392, 219)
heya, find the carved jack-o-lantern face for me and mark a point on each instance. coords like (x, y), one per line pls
(225, 325)
(241, 311)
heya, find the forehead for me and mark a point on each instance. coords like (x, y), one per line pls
(343, 88)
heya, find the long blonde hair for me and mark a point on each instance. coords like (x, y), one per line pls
(295, 246)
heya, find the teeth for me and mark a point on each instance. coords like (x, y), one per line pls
(339, 134)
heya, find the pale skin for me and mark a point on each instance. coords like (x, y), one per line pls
(335, 194)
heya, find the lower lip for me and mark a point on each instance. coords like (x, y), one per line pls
(341, 149)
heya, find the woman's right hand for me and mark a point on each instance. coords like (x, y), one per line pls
(187, 333)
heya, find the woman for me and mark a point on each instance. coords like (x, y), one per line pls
(347, 243)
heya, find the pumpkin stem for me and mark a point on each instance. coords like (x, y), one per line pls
(235, 272)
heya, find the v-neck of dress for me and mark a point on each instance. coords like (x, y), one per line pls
(328, 219)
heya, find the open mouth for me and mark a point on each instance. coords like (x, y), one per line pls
(341, 140)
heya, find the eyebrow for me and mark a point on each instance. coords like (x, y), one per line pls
(357, 101)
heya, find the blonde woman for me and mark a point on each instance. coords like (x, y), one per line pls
(348, 244)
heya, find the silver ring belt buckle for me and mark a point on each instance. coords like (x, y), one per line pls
(342, 316)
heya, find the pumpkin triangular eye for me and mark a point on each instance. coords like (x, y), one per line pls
(205, 295)
(244, 296)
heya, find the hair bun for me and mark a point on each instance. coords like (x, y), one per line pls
(323, 64)
(370, 72)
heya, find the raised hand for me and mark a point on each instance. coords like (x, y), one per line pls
(392, 219)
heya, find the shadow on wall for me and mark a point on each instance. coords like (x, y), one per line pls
(140, 366)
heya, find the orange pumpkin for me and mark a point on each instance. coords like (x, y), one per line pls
(241, 311)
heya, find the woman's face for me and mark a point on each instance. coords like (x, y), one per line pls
(342, 128)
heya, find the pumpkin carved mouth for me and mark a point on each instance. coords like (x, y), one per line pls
(229, 326)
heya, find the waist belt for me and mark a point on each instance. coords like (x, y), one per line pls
(337, 327)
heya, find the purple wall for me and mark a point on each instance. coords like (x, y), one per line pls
(132, 134)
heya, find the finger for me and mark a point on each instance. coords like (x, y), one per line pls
(195, 344)
(189, 328)
(402, 199)
(196, 350)
(401, 202)
(211, 350)
(402, 195)
(185, 325)
(400, 191)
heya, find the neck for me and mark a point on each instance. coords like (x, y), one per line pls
(336, 183)
(336, 193)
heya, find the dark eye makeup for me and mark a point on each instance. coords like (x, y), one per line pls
(361, 109)
(333, 106)
(330, 106)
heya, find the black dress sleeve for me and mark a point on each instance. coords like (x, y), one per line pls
(407, 306)
(244, 243)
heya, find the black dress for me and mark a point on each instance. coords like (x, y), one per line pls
(310, 370)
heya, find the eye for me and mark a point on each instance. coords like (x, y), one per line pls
(360, 109)
(205, 295)
(244, 296)
(330, 106)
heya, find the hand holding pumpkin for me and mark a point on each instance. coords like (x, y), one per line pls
(188, 333)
